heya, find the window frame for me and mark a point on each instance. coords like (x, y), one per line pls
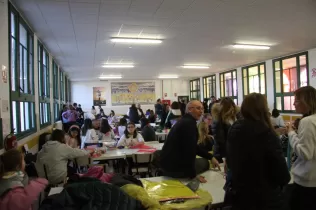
(62, 87)
(282, 94)
(43, 84)
(259, 74)
(197, 91)
(18, 96)
(55, 91)
(207, 87)
(234, 97)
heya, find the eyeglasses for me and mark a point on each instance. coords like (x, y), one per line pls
(197, 107)
(130, 127)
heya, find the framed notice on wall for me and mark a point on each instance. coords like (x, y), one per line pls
(127, 93)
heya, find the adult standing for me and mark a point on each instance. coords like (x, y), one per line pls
(213, 101)
(133, 114)
(69, 117)
(158, 108)
(257, 170)
(178, 155)
(182, 107)
(304, 145)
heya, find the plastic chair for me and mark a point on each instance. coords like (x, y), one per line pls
(141, 163)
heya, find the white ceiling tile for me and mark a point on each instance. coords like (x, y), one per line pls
(168, 13)
(146, 2)
(86, 1)
(192, 31)
(84, 8)
(176, 4)
(142, 11)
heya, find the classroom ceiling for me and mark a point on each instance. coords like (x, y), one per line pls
(78, 32)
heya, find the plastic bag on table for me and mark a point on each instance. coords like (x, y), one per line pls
(168, 190)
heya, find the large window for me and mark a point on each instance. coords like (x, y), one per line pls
(43, 85)
(228, 84)
(67, 89)
(254, 79)
(195, 89)
(21, 75)
(290, 73)
(209, 86)
(55, 91)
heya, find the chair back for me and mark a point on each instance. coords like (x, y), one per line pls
(142, 158)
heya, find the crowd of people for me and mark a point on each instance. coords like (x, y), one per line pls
(245, 139)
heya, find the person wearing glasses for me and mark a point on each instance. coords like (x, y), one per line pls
(178, 155)
(131, 137)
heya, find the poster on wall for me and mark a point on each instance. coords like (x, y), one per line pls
(99, 96)
(127, 93)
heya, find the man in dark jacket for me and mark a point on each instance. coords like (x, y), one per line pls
(133, 114)
(158, 108)
(178, 155)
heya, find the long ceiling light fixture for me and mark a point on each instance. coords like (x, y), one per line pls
(195, 67)
(168, 76)
(248, 46)
(135, 40)
(116, 66)
(110, 77)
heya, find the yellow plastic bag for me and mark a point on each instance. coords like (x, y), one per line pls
(204, 200)
(168, 190)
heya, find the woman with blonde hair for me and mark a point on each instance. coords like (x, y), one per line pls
(257, 170)
(224, 115)
(205, 141)
(304, 145)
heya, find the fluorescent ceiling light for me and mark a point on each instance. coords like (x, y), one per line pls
(195, 67)
(168, 76)
(246, 46)
(136, 40)
(110, 77)
(118, 66)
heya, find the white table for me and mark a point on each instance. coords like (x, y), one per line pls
(123, 153)
(214, 185)
(151, 124)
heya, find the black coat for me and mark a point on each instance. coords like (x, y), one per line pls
(91, 195)
(133, 115)
(257, 165)
(177, 158)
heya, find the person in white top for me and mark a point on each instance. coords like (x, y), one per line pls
(88, 133)
(55, 155)
(106, 133)
(304, 145)
(276, 119)
(131, 137)
(122, 126)
(93, 111)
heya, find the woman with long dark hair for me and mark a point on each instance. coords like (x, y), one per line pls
(131, 137)
(256, 168)
(106, 133)
(88, 133)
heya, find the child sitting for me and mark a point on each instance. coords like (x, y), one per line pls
(73, 138)
(88, 133)
(16, 193)
(205, 141)
(54, 156)
(130, 137)
(106, 133)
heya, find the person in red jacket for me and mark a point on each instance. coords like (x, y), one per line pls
(16, 192)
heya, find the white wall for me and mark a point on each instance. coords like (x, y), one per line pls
(82, 93)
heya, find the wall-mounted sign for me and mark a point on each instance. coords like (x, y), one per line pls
(165, 94)
(4, 74)
(175, 94)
